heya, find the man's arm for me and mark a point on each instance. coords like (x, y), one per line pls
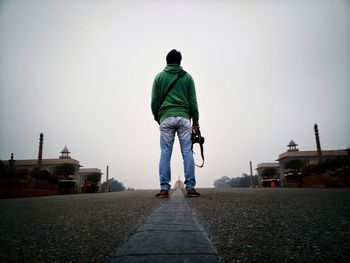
(193, 104)
(155, 101)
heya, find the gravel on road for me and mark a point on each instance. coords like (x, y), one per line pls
(70, 228)
(277, 225)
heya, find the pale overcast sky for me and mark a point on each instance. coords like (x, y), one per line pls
(81, 72)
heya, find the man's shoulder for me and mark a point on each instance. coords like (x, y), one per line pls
(188, 75)
(188, 78)
(164, 75)
(161, 74)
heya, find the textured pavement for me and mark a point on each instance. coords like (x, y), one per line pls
(70, 228)
(170, 234)
(245, 225)
(277, 225)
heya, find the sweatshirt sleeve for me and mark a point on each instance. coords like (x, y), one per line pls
(193, 103)
(155, 100)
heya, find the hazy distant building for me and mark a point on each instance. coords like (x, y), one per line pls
(48, 164)
(51, 164)
(307, 157)
(292, 154)
(267, 180)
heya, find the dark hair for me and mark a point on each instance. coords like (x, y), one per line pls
(173, 57)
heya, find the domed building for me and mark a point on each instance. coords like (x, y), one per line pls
(287, 169)
(50, 164)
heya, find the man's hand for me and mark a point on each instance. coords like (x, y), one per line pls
(195, 128)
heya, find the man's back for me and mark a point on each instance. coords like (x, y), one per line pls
(181, 100)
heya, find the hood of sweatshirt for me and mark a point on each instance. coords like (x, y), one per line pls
(173, 68)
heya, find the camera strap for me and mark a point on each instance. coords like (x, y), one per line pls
(171, 86)
(202, 154)
(200, 140)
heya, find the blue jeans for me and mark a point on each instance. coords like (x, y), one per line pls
(168, 128)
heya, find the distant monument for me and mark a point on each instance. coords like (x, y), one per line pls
(40, 155)
(108, 189)
(179, 185)
(11, 163)
(318, 144)
(65, 153)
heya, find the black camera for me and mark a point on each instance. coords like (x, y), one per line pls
(197, 137)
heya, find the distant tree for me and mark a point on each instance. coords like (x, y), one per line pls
(294, 165)
(268, 173)
(244, 181)
(44, 175)
(331, 164)
(338, 162)
(114, 185)
(53, 178)
(91, 183)
(38, 174)
(22, 174)
(222, 182)
(94, 178)
(255, 180)
(63, 171)
(3, 172)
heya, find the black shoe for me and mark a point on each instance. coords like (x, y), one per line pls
(163, 194)
(192, 193)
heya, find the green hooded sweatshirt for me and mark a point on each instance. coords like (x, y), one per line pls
(181, 101)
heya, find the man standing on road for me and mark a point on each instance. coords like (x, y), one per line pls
(174, 104)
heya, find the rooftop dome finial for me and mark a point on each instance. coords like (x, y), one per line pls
(292, 146)
(65, 153)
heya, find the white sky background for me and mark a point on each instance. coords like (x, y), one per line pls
(81, 72)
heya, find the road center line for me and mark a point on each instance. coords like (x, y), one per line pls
(170, 234)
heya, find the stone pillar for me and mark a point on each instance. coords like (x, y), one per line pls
(251, 174)
(11, 164)
(108, 189)
(40, 155)
(318, 144)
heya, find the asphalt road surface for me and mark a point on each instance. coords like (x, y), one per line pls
(277, 225)
(70, 228)
(245, 225)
